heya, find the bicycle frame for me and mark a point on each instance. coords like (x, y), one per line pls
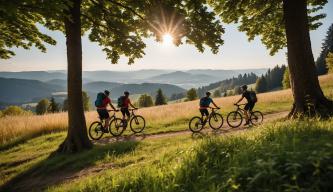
(211, 113)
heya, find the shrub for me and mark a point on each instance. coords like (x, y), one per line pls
(145, 101)
(15, 111)
(42, 106)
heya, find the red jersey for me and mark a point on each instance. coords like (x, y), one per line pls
(105, 103)
(126, 102)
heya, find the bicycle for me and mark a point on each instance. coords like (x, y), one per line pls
(235, 118)
(214, 119)
(118, 126)
(97, 130)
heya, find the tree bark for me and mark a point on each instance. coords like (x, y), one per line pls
(77, 137)
(309, 99)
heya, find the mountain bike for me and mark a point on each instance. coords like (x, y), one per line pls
(118, 126)
(97, 130)
(214, 119)
(235, 118)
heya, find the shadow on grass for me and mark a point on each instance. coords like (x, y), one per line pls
(59, 168)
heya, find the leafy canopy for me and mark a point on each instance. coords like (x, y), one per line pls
(263, 18)
(118, 26)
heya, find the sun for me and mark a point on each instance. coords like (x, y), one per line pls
(167, 39)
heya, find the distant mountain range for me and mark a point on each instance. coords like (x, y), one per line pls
(186, 79)
(19, 91)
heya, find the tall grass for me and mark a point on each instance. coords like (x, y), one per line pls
(13, 129)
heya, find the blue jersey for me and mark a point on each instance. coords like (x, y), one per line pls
(205, 101)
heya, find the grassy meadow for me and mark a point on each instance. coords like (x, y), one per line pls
(172, 117)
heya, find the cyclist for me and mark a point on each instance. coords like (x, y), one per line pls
(251, 101)
(124, 102)
(204, 105)
(101, 103)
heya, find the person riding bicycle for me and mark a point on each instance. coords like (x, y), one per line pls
(251, 98)
(124, 102)
(204, 105)
(101, 104)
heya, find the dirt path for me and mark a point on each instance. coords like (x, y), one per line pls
(224, 130)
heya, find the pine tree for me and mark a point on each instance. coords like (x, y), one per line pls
(261, 84)
(160, 98)
(329, 61)
(42, 106)
(192, 94)
(54, 106)
(327, 46)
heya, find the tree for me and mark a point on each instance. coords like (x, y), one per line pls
(327, 46)
(145, 101)
(261, 84)
(329, 61)
(192, 94)
(42, 106)
(284, 23)
(217, 93)
(118, 26)
(286, 79)
(53, 106)
(160, 98)
(86, 101)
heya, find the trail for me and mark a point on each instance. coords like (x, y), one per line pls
(224, 130)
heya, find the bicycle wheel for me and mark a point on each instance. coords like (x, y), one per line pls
(256, 118)
(116, 127)
(216, 121)
(234, 119)
(195, 124)
(96, 130)
(137, 124)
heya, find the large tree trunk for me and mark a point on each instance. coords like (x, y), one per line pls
(309, 99)
(77, 138)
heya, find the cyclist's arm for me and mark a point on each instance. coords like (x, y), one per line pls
(240, 100)
(215, 104)
(129, 102)
(112, 106)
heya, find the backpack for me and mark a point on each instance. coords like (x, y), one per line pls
(204, 102)
(253, 96)
(121, 101)
(99, 100)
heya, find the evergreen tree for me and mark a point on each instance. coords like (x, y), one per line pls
(217, 93)
(329, 61)
(327, 46)
(192, 94)
(145, 101)
(286, 79)
(261, 84)
(160, 98)
(42, 106)
(53, 107)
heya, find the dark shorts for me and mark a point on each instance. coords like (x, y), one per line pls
(249, 106)
(125, 111)
(103, 113)
(204, 112)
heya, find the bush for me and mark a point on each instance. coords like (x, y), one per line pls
(42, 106)
(286, 79)
(329, 62)
(217, 93)
(192, 94)
(15, 111)
(145, 101)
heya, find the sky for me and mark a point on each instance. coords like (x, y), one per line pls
(236, 53)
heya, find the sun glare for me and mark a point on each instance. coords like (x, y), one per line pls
(167, 39)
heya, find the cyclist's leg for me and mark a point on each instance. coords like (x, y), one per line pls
(206, 115)
(128, 114)
(246, 113)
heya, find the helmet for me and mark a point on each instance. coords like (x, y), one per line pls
(106, 92)
(126, 93)
(244, 87)
(208, 93)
